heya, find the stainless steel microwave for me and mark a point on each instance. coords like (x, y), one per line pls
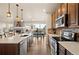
(62, 21)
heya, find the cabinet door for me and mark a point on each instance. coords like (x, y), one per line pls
(59, 11)
(55, 17)
(64, 8)
(61, 50)
(61, 53)
(77, 13)
(72, 14)
(9, 49)
(52, 21)
(68, 53)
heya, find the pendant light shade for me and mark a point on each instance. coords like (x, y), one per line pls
(17, 17)
(21, 14)
(9, 13)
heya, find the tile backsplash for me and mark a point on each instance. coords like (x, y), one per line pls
(73, 30)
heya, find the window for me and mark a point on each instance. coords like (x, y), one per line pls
(39, 26)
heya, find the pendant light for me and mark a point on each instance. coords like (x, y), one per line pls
(17, 17)
(8, 13)
(21, 14)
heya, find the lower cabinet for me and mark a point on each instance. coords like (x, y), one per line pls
(16, 48)
(29, 40)
(68, 53)
(63, 51)
(9, 49)
(13, 49)
(23, 47)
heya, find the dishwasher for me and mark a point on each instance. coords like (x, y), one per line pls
(53, 44)
(23, 48)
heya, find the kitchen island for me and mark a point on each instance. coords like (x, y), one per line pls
(15, 45)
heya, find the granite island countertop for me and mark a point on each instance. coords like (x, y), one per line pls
(72, 47)
(13, 40)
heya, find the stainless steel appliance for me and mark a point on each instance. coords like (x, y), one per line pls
(68, 36)
(53, 44)
(62, 21)
(65, 36)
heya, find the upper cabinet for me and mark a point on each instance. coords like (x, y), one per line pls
(73, 15)
(66, 16)
(54, 17)
(59, 12)
(62, 17)
(64, 8)
(51, 21)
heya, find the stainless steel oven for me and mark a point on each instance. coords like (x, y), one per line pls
(62, 21)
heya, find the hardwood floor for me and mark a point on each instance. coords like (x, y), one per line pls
(39, 47)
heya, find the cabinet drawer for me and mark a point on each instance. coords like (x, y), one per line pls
(61, 48)
(61, 52)
(68, 53)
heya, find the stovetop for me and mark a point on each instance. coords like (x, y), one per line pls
(56, 38)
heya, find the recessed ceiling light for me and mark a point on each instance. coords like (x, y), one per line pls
(44, 10)
(21, 20)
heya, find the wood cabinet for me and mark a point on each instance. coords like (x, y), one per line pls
(68, 53)
(16, 48)
(64, 8)
(9, 49)
(72, 10)
(52, 20)
(73, 14)
(59, 12)
(63, 51)
(13, 49)
(54, 17)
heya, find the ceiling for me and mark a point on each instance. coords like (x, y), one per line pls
(31, 11)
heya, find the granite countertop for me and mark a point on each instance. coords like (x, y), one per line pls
(72, 47)
(13, 40)
(54, 35)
